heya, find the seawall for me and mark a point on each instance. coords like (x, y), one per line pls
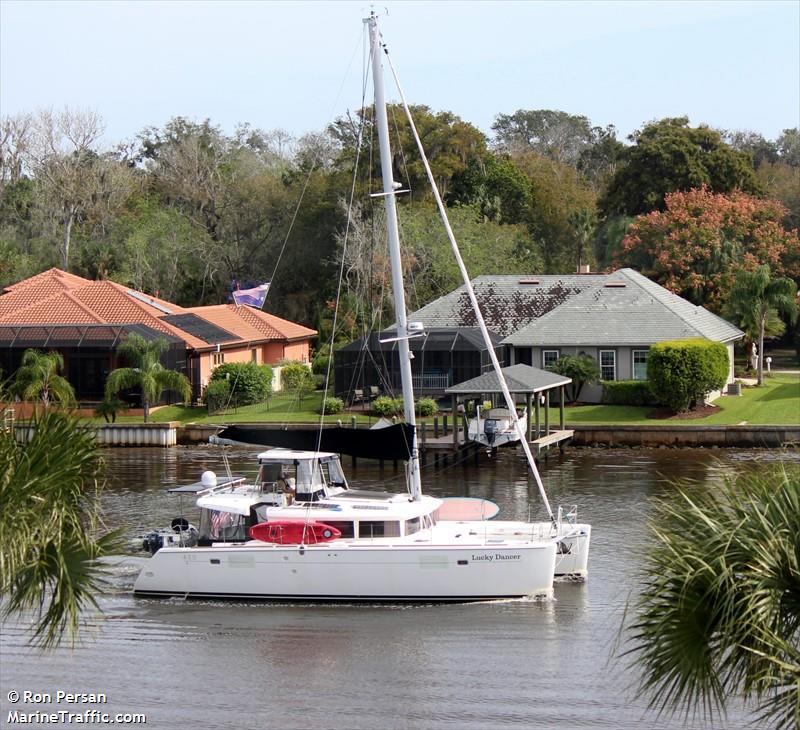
(771, 437)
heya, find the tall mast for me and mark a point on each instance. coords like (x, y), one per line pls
(389, 190)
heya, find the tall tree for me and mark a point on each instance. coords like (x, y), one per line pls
(754, 296)
(558, 194)
(556, 135)
(52, 486)
(789, 146)
(450, 144)
(38, 379)
(16, 135)
(668, 156)
(697, 244)
(72, 176)
(752, 143)
(718, 615)
(147, 372)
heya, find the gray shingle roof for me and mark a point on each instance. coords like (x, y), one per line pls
(507, 302)
(519, 378)
(625, 308)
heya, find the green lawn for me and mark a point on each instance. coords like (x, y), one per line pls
(777, 402)
(281, 408)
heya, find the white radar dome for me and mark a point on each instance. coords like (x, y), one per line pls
(208, 479)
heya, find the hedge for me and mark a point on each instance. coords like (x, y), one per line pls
(681, 372)
(331, 406)
(383, 405)
(628, 393)
(426, 406)
(248, 382)
(216, 396)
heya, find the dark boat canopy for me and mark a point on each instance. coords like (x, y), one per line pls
(391, 443)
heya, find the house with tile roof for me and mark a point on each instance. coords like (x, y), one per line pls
(86, 320)
(614, 318)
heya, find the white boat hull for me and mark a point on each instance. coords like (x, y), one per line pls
(571, 539)
(505, 430)
(345, 571)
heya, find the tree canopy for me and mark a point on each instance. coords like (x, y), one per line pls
(695, 246)
(668, 156)
(187, 207)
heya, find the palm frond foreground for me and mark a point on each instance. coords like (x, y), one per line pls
(719, 611)
(50, 533)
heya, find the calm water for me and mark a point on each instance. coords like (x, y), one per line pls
(517, 664)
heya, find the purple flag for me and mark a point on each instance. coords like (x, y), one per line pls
(254, 297)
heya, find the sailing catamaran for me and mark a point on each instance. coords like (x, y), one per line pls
(300, 533)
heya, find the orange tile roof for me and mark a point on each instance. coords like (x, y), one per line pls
(51, 278)
(59, 308)
(58, 297)
(273, 326)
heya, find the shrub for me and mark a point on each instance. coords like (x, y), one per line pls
(427, 407)
(681, 372)
(319, 381)
(331, 406)
(628, 393)
(248, 382)
(383, 405)
(109, 407)
(217, 395)
(297, 377)
(581, 368)
(319, 366)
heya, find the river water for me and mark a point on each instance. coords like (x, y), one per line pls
(513, 664)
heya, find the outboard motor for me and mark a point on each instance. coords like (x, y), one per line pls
(490, 430)
(153, 542)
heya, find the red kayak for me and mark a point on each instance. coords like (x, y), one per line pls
(294, 532)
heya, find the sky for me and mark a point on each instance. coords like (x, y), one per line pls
(297, 66)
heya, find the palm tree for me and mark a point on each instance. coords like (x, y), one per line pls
(148, 373)
(755, 299)
(37, 378)
(50, 535)
(719, 611)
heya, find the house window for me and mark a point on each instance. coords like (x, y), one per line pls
(608, 364)
(254, 355)
(549, 357)
(217, 358)
(640, 364)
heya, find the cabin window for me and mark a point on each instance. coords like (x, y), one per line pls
(309, 476)
(378, 529)
(608, 364)
(412, 525)
(335, 473)
(346, 528)
(549, 357)
(640, 364)
(218, 526)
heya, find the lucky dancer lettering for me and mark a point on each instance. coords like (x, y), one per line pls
(496, 556)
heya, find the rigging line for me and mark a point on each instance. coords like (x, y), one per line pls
(314, 166)
(402, 152)
(343, 256)
(471, 292)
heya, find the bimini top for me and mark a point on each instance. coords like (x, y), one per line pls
(289, 456)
